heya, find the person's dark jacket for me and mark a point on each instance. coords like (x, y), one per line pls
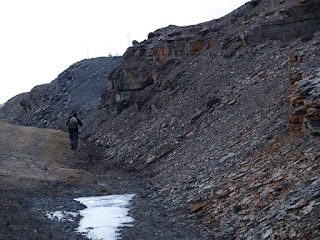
(74, 129)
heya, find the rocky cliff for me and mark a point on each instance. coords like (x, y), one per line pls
(222, 120)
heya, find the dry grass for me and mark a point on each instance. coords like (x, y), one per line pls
(36, 154)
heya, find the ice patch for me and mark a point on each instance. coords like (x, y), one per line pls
(104, 215)
(62, 216)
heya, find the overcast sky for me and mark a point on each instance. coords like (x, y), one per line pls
(41, 38)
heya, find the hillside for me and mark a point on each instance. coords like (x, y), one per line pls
(33, 162)
(221, 120)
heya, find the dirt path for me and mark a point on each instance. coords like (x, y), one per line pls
(39, 173)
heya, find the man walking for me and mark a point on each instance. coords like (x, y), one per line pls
(73, 123)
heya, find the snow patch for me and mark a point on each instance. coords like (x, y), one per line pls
(104, 215)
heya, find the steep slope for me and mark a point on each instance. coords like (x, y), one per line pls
(78, 88)
(222, 119)
(207, 113)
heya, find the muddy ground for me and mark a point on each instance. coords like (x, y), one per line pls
(40, 174)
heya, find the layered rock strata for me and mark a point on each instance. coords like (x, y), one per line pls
(145, 63)
(301, 21)
(305, 98)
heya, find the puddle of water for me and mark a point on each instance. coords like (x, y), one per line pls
(104, 215)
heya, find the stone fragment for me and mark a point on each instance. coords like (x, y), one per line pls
(237, 208)
(294, 57)
(295, 76)
(196, 207)
(254, 3)
(292, 233)
(219, 235)
(135, 42)
(306, 90)
(151, 159)
(267, 234)
(230, 155)
(213, 101)
(165, 153)
(284, 153)
(315, 80)
(308, 209)
(196, 116)
(302, 83)
(210, 186)
(255, 185)
(232, 102)
(151, 35)
(196, 46)
(235, 143)
(298, 205)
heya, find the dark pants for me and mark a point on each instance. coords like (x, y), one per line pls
(73, 139)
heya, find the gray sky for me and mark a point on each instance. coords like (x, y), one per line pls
(41, 38)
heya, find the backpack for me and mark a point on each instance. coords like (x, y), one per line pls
(73, 123)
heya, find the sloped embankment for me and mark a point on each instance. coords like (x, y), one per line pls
(37, 154)
(36, 175)
(40, 174)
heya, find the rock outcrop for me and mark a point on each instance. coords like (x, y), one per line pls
(299, 21)
(305, 98)
(146, 63)
(222, 120)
